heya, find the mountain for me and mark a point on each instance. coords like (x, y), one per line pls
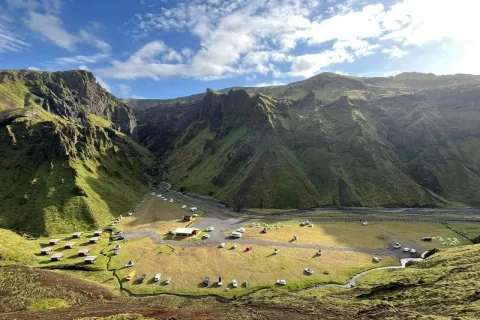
(330, 86)
(68, 159)
(331, 140)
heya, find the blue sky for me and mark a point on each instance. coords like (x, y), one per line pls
(166, 49)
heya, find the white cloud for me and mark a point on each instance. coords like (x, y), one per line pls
(82, 59)
(89, 38)
(52, 28)
(103, 84)
(172, 55)
(33, 68)
(269, 84)
(10, 41)
(124, 90)
(395, 52)
(83, 67)
(262, 37)
(49, 6)
(310, 64)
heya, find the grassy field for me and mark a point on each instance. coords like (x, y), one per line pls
(70, 255)
(154, 213)
(188, 266)
(471, 230)
(375, 235)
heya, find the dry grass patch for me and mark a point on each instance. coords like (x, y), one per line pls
(376, 235)
(188, 266)
(157, 214)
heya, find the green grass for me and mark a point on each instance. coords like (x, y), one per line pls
(188, 266)
(16, 249)
(71, 257)
(44, 304)
(100, 177)
(376, 234)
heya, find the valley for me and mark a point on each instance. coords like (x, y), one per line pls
(334, 197)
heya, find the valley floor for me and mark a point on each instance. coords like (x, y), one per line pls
(348, 248)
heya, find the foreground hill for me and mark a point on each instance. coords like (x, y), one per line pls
(67, 158)
(409, 140)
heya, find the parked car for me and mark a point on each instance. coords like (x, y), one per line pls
(130, 264)
(264, 230)
(281, 282)
(234, 283)
(413, 251)
(241, 230)
(206, 281)
(376, 259)
(308, 270)
(406, 249)
(142, 278)
(427, 239)
(319, 252)
(222, 245)
(206, 236)
(157, 277)
(397, 245)
(235, 246)
(220, 282)
(276, 251)
(116, 252)
(246, 284)
(210, 229)
(169, 279)
(153, 193)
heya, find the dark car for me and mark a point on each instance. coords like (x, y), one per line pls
(206, 281)
(142, 278)
(117, 238)
(427, 239)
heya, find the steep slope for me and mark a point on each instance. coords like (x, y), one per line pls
(409, 140)
(70, 94)
(63, 166)
(256, 151)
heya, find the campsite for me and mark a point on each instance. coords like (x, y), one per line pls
(168, 239)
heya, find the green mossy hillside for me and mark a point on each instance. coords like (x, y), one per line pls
(64, 166)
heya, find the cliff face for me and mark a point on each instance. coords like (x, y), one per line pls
(70, 94)
(395, 142)
(66, 159)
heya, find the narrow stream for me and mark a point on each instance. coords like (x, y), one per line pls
(353, 281)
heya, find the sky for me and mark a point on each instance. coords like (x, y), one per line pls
(167, 49)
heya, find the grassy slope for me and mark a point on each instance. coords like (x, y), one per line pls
(272, 159)
(31, 289)
(15, 249)
(39, 184)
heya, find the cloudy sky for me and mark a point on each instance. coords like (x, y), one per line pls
(164, 48)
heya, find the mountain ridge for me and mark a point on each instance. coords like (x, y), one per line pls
(363, 145)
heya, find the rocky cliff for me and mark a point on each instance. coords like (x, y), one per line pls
(409, 140)
(69, 94)
(67, 160)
